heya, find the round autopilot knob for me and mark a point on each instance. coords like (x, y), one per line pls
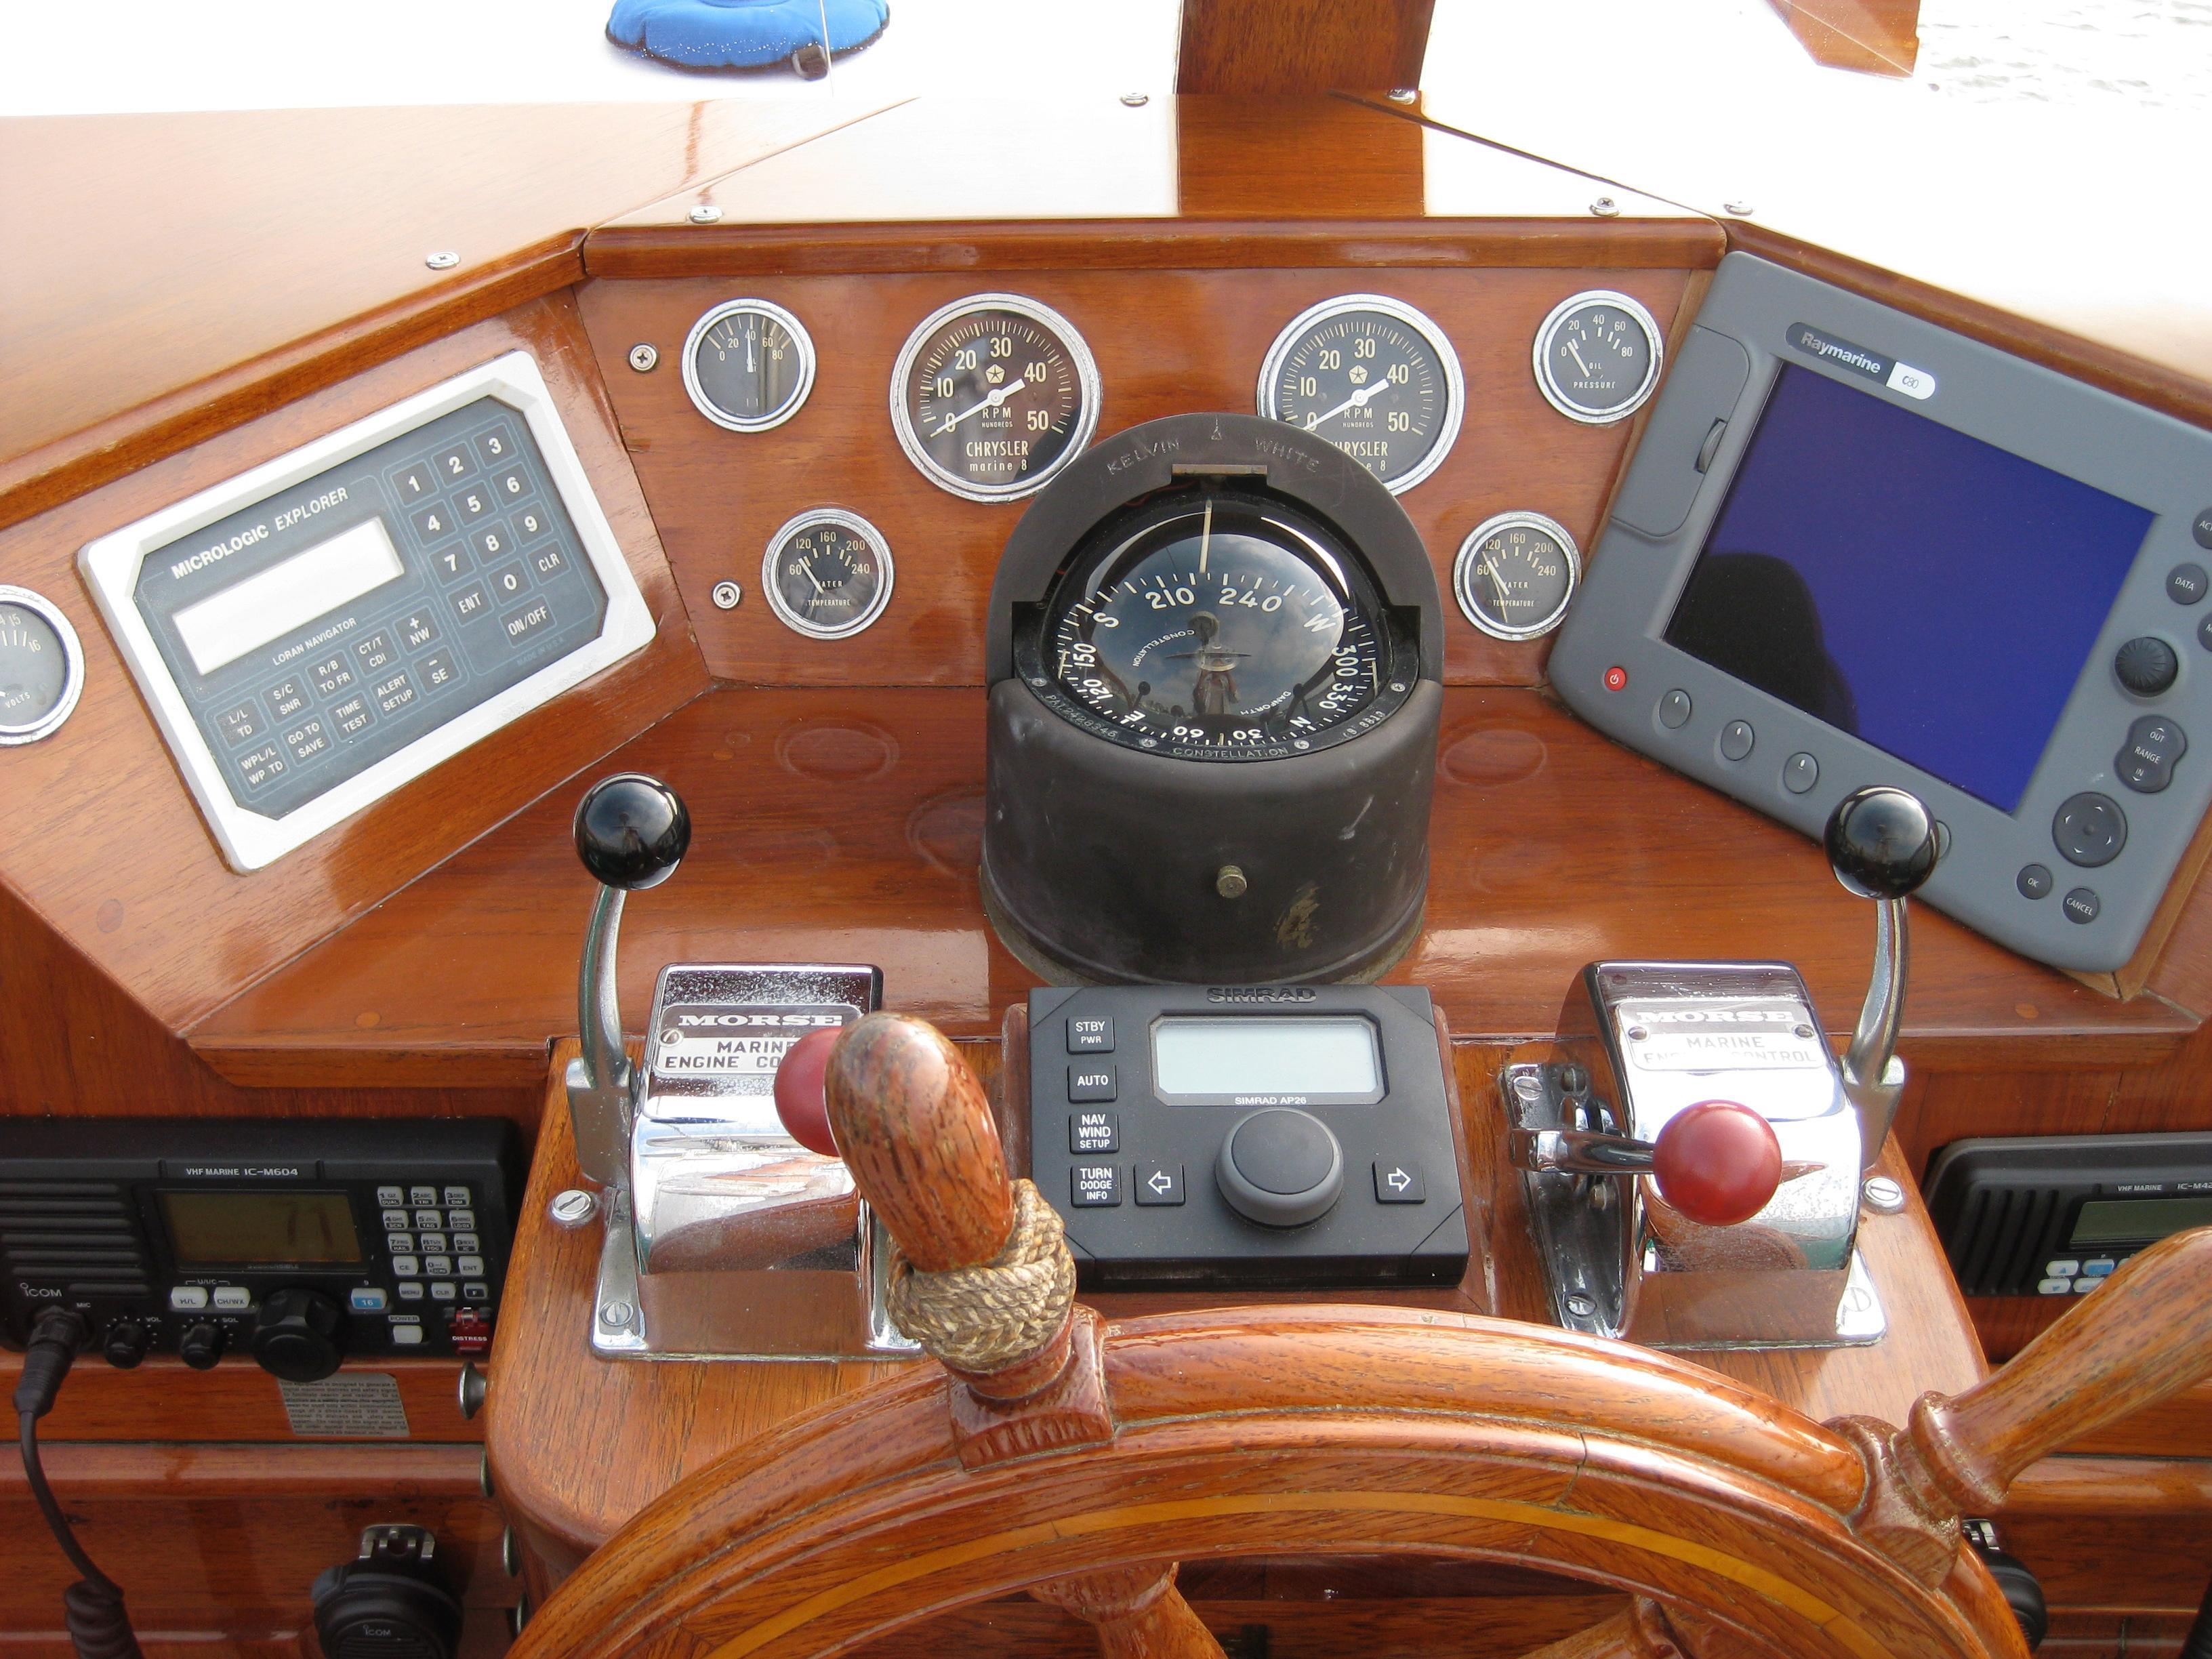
(632, 832)
(297, 1337)
(2147, 666)
(1280, 1168)
(1881, 843)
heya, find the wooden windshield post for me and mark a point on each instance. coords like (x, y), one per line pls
(1876, 37)
(1302, 45)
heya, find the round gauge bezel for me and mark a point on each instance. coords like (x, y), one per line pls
(72, 660)
(844, 520)
(1462, 564)
(799, 337)
(1397, 656)
(1398, 311)
(1540, 356)
(1071, 341)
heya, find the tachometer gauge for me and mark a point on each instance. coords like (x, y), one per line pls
(1372, 376)
(1213, 624)
(992, 395)
(827, 573)
(1514, 574)
(749, 365)
(1598, 357)
(42, 666)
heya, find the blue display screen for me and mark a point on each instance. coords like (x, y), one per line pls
(1927, 591)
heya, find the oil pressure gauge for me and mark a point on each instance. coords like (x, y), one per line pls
(1514, 574)
(42, 666)
(1597, 357)
(827, 573)
(749, 365)
(1372, 376)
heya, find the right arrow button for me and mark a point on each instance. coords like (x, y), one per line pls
(1399, 1182)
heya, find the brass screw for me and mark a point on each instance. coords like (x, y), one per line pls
(1229, 882)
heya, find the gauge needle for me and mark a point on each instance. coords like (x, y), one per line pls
(1356, 400)
(1575, 352)
(1205, 535)
(817, 580)
(1490, 570)
(991, 400)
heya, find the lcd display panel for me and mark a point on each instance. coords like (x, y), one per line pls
(220, 628)
(2137, 1220)
(235, 1229)
(1317, 1058)
(1930, 594)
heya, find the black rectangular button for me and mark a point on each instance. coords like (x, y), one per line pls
(547, 561)
(519, 624)
(1094, 1036)
(432, 523)
(452, 563)
(286, 698)
(1159, 1183)
(377, 651)
(415, 482)
(1397, 1182)
(1088, 1082)
(352, 717)
(1096, 1186)
(260, 767)
(1093, 1132)
(510, 486)
(416, 629)
(241, 723)
(495, 445)
(306, 740)
(454, 463)
(472, 602)
(394, 693)
(438, 671)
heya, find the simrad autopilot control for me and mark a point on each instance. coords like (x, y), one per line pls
(1266, 1136)
(301, 1242)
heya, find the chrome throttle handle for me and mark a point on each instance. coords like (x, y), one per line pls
(631, 833)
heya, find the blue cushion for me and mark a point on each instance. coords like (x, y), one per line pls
(742, 34)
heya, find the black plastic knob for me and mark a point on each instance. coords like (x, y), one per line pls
(2147, 666)
(1280, 1168)
(632, 832)
(125, 1344)
(200, 1345)
(298, 1336)
(1881, 843)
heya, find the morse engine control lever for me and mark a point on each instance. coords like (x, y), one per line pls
(631, 833)
(1717, 1162)
(1882, 845)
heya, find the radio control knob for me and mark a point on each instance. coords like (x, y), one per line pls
(126, 1344)
(1281, 1168)
(200, 1345)
(2147, 666)
(297, 1337)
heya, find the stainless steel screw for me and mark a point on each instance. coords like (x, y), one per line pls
(1404, 95)
(1882, 1195)
(1801, 1031)
(1606, 207)
(1580, 1305)
(642, 357)
(727, 596)
(471, 1390)
(1741, 209)
(1529, 1086)
(1229, 882)
(706, 214)
(445, 260)
(1136, 99)
(573, 1207)
(616, 1313)
(1637, 1034)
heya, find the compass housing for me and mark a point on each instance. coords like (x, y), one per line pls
(1302, 857)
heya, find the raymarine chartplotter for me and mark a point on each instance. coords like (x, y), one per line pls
(1855, 548)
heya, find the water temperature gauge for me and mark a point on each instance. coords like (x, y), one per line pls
(1514, 574)
(827, 573)
(42, 666)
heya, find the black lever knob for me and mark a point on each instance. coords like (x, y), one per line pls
(297, 1337)
(1881, 843)
(632, 832)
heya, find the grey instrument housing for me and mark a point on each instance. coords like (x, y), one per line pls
(1722, 372)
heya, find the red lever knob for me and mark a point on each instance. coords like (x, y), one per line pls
(1717, 1162)
(801, 1097)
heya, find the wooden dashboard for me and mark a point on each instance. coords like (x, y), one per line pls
(420, 958)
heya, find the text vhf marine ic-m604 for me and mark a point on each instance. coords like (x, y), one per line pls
(724, 1235)
(1693, 1160)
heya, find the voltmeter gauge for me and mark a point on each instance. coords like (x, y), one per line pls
(992, 395)
(1598, 356)
(1514, 574)
(749, 365)
(1372, 376)
(42, 666)
(827, 573)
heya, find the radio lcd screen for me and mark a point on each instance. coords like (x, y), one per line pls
(1927, 591)
(226, 1229)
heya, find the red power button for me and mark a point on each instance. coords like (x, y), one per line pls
(1616, 678)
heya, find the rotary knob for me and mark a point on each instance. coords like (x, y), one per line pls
(200, 1345)
(126, 1343)
(2147, 666)
(1281, 1168)
(297, 1337)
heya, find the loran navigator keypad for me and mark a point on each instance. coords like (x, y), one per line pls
(1266, 1136)
(329, 625)
(312, 633)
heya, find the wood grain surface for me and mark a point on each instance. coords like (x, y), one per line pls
(1167, 342)
(165, 1400)
(1301, 45)
(845, 825)
(105, 847)
(1877, 37)
(127, 337)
